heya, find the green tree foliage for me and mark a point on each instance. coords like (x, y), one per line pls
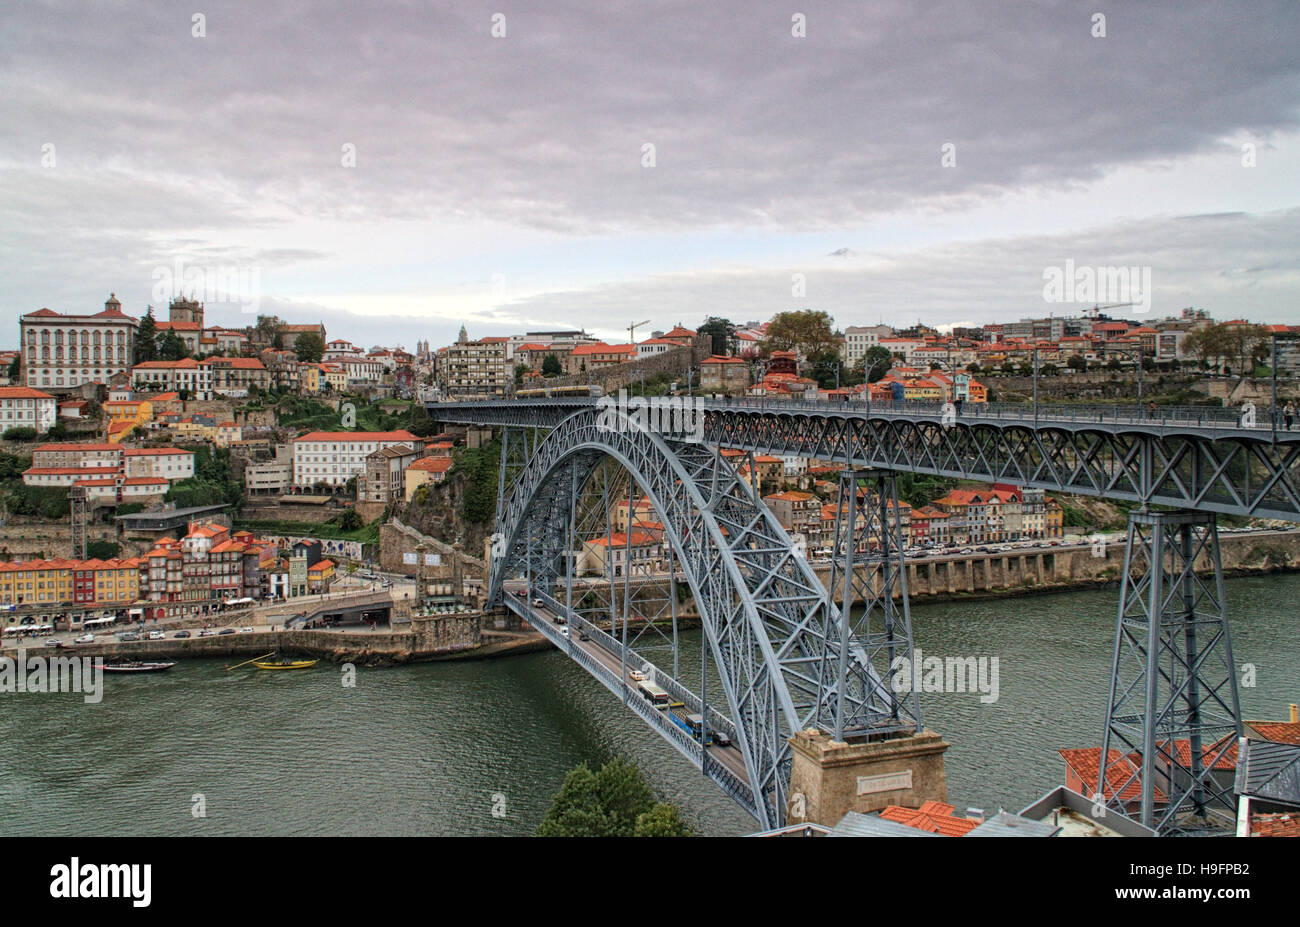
(1240, 344)
(49, 502)
(1077, 362)
(146, 339)
(212, 483)
(171, 347)
(614, 802)
(721, 333)
(309, 347)
(12, 466)
(418, 421)
(807, 332)
(20, 433)
(102, 550)
(551, 366)
(15, 368)
(270, 330)
(479, 498)
(918, 489)
(878, 360)
(663, 820)
(350, 520)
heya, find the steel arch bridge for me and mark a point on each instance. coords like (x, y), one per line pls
(779, 645)
(777, 637)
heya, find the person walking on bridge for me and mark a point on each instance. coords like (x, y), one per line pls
(1288, 414)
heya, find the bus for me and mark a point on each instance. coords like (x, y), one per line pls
(653, 694)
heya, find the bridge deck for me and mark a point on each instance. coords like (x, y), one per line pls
(601, 656)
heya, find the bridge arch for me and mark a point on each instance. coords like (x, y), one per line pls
(770, 628)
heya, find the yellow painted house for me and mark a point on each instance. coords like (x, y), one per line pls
(123, 415)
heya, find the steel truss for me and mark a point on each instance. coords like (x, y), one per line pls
(867, 566)
(1234, 471)
(770, 629)
(1173, 711)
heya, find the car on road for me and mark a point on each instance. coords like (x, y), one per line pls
(245, 630)
(537, 603)
(207, 632)
(181, 634)
(637, 676)
(157, 636)
(582, 636)
(721, 739)
(128, 636)
(522, 593)
(226, 631)
(564, 632)
(85, 639)
(53, 643)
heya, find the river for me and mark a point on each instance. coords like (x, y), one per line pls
(480, 747)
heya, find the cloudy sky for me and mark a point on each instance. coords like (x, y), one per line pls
(397, 170)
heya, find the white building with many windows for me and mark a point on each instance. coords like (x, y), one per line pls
(24, 407)
(334, 457)
(61, 352)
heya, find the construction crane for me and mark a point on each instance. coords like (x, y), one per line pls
(631, 330)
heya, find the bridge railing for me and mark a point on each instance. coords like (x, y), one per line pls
(1082, 414)
(1217, 417)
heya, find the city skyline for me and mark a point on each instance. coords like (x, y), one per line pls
(502, 181)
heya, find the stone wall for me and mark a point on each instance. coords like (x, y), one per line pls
(396, 540)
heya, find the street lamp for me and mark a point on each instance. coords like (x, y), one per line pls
(1273, 389)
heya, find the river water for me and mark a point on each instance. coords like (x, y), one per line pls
(437, 749)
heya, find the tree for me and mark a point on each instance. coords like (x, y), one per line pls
(146, 339)
(419, 423)
(171, 347)
(350, 520)
(551, 366)
(20, 433)
(663, 820)
(825, 367)
(309, 347)
(269, 330)
(877, 360)
(721, 333)
(1049, 370)
(609, 803)
(576, 810)
(520, 370)
(1008, 367)
(806, 332)
(1077, 362)
(57, 432)
(973, 367)
(15, 368)
(101, 550)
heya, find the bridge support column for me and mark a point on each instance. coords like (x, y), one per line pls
(1173, 717)
(829, 778)
(867, 566)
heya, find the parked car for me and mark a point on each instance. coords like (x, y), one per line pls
(226, 631)
(157, 635)
(128, 636)
(181, 634)
(245, 630)
(53, 643)
(85, 639)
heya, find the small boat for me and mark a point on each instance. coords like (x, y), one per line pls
(284, 663)
(138, 666)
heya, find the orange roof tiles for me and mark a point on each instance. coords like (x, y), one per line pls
(933, 817)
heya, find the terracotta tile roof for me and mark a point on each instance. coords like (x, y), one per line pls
(1281, 732)
(357, 436)
(933, 817)
(22, 392)
(432, 464)
(1086, 761)
(1275, 825)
